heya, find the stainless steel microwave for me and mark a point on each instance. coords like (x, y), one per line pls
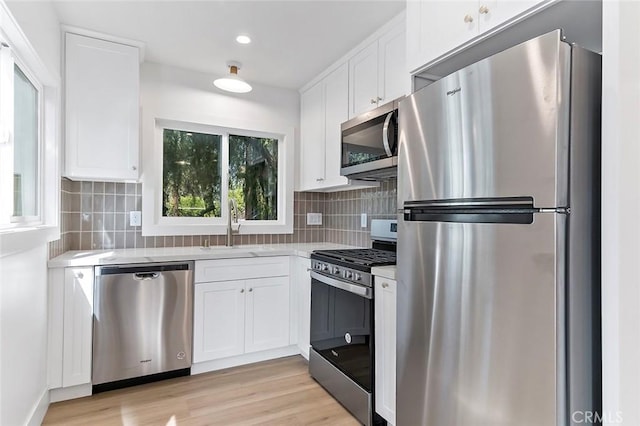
(370, 144)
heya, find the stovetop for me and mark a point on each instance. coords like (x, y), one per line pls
(362, 257)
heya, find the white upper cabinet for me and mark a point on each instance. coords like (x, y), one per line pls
(336, 99)
(323, 109)
(102, 107)
(435, 27)
(363, 73)
(378, 73)
(393, 78)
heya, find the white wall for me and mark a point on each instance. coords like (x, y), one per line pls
(621, 211)
(181, 95)
(40, 24)
(23, 336)
(23, 275)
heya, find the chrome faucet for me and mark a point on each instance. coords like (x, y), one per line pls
(233, 212)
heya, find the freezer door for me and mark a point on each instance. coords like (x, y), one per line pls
(480, 311)
(498, 128)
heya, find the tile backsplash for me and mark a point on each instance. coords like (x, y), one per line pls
(95, 215)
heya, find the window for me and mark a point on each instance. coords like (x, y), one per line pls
(203, 167)
(21, 123)
(191, 174)
(29, 149)
(253, 176)
(26, 147)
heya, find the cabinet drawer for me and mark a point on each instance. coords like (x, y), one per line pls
(240, 269)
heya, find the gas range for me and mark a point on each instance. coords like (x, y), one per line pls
(354, 265)
(341, 357)
(351, 265)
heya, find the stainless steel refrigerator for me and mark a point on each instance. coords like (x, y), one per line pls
(498, 242)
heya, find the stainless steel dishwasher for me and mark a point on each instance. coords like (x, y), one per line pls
(142, 324)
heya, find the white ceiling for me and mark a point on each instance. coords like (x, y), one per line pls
(293, 41)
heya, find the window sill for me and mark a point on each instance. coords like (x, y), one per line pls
(191, 229)
(15, 240)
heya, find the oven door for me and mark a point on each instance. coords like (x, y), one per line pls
(342, 326)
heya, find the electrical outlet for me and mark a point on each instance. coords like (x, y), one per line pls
(363, 220)
(314, 218)
(135, 218)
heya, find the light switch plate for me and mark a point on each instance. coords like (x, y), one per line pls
(314, 218)
(135, 218)
(363, 220)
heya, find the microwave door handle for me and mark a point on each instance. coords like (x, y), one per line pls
(385, 134)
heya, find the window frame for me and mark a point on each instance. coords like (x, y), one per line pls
(20, 236)
(154, 224)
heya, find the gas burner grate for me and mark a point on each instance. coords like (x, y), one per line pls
(365, 257)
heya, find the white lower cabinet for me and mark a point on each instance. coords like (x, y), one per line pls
(267, 314)
(70, 326)
(218, 320)
(302, 282)
(240, 316)
(385, 352)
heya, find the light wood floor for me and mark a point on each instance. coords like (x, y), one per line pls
(278, 392)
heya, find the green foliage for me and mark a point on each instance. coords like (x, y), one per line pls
(253, 176)
(192, 180)
(191, 174)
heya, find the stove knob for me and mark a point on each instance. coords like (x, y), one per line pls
(336, 270)
(348, 275)
(357, 276)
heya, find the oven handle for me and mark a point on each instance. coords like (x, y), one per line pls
(351, 288)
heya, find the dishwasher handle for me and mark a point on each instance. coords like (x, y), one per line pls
(143, 269)
(145, 276)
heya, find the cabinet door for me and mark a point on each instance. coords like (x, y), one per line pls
(363, 80)
(434, 27)
(393, 77)
(77, 326)
(267, 314)
(385, 356)
(492, 13)
(101, 109)
(312, 146)
(218, 320)
(303, 283)
(336, 95)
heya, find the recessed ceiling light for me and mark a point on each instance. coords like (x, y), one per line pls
(243, 39)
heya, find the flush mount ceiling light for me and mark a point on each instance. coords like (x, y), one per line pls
(233, 83)
(243, 39)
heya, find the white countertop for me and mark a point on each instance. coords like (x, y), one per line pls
(388, 272)
(167, 254)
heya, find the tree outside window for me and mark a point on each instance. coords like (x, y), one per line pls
(192, 178)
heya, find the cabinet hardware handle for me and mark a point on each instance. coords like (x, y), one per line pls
(134, 168)
(80, 275)
(250, 289)
(373, 101)
(319, 179)
(385, 285)
(242, 290)
(379, 98)
(468, 19)
(483, 10)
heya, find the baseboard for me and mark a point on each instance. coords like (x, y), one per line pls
(40, 410)
(72, 392)
(304, 351)
(219, 364)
